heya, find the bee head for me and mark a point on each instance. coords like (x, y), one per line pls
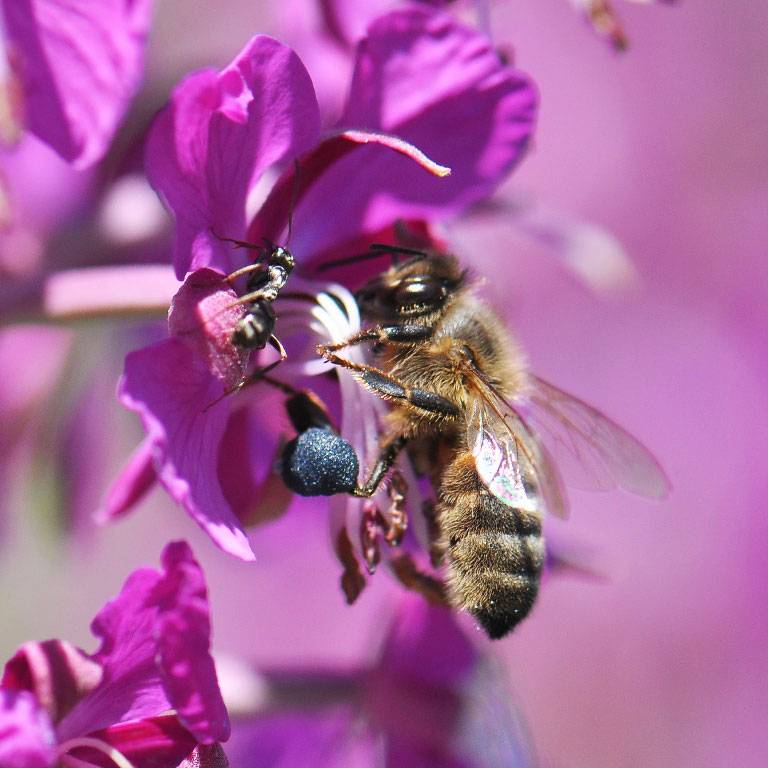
(421, 286)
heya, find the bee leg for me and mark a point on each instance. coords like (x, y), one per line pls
(390, 448)
(389, 388)
(384, 334)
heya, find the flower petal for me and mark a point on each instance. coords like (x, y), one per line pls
(273, 216)
(155, 653)
(155, 742)
(26, 734)
(425, 77)
(56, 672)
(131, 687)
(218, 135)
(183, 631)
(321, 739)
(79, 64)
(135, 480)
(171, 388)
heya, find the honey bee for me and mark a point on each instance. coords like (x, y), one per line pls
(480, 425)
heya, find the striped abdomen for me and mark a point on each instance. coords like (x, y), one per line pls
(495, 552)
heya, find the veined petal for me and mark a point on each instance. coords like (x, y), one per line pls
(439, 85)
(218, 135)
(26, 734)
(79, 64)
(154, 742)
(55, 671)
(174, 392)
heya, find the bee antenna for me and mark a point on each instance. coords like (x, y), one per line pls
(375, 250)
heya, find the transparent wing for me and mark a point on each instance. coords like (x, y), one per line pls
(592, 451)
(511, 462)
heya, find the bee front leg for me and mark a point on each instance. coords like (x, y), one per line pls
(386, 334)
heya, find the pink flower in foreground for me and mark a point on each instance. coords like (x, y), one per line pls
(74, 68)
(419, 75)
(430, 700)
(148, 695)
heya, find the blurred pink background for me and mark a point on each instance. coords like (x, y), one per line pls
(665, 663)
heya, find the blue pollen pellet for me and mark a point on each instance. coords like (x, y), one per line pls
(319, 463)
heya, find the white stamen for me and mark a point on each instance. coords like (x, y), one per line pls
(115, 755)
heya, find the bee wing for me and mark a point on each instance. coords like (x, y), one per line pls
(511, 462)
(593, 452)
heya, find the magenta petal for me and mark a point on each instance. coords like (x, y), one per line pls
(440, 85)
(55, 671)
(26, 734)
(171, 389)
(219, 133)
(134, 481)
(427, 644)
(155, 742)
(79, 63)
(184, 636)
(155, 653)
(324, 738)
(131, 687)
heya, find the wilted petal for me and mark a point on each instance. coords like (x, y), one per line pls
(217, 136)
(441, 86)
(174, 392)
(79, 64)
(56, 672)
(26, 734)
(134, 481)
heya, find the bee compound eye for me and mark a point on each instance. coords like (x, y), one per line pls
(319, 463)
(420, 290)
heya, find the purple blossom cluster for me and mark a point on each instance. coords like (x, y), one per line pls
(134, 197)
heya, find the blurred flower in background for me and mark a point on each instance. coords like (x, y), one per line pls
(149, 695)
(663, 664)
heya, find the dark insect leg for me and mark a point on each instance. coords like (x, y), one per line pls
(386, 334)
(387, 455)
(389, 388)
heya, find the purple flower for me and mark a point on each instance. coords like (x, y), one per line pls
(428, 699)
(75, 66)
(419, 75)
(148, 695)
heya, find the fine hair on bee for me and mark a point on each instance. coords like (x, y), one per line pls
(472, 418)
